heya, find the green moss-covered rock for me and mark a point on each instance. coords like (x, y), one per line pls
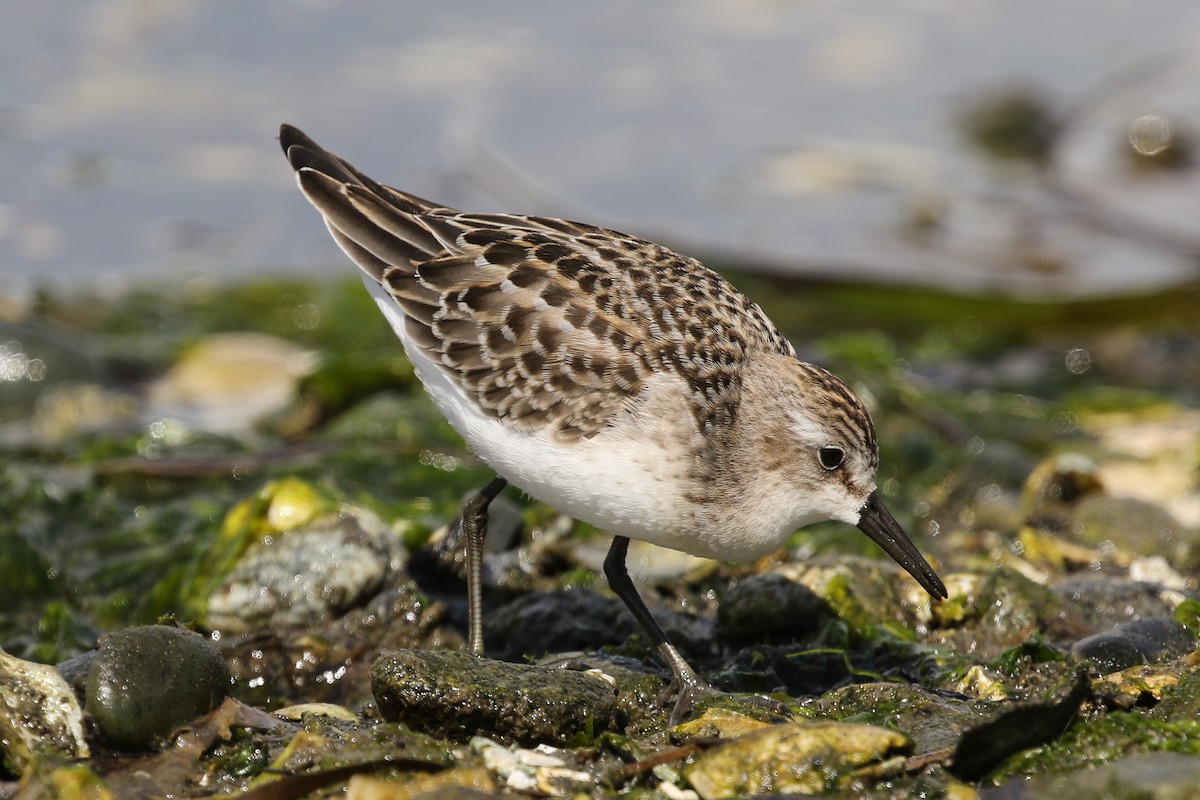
(932, 720)
(796, 758)
(147, 681)
(454, 694)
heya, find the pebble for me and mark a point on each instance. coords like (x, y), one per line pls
(542, 770)
(306, 575)
(145, 682)
(540, 623)
(1107, 601)
(39, 714)
(771, 607)
(1147, 640)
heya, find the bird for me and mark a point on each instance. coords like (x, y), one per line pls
(612, 378)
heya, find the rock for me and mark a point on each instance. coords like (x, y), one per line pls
(1018, 727)
(542, 771)
(864, 592)
(1147, 640)
(1145, 684)
(932, 720)
(1168, 776)
(308, 575)
(640, 687)
(36, 362)
(458, 783)
(771, 607)
(146, 682)
(446, 553)
(332, 711)
(457, 695)
(1058, 483)
(1007, 609)
(1133, 526)
(717, 722)
(538, 623)
(333, 661)
(1070, 495)
(1180, 699)
(981, 683)
(1106, 601)
(39, 714)
(75, 670)
(229, 382)
(73, 409)
(794, 758)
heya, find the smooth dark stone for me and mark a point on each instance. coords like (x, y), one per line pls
(771, 608)
(1148, 640)
(148, 681)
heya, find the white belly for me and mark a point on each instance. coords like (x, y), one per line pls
(626, 485)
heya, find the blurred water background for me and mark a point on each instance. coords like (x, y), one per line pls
(1025, 148)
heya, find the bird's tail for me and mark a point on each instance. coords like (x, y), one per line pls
(377, 226)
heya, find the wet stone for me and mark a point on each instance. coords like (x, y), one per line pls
(540, 772)
(1180, 700)
(1135, 527)
(863, 592)
(39, 714)
(798, 670)
(333, 662)
(146, 682)
(1008, 609)
(547, 622)
(457, 695)
(229, 382)
(505, 523)
(1148, 640)
(307, 575)
(1169, 776)
(75, 671)
(1144, 685)
(1105, 602)
(794, 758)
(771, 608)
(441, 566)
(539, 623)
(1058, 483)
(932, 720)
(1018, 727)
(639, 686)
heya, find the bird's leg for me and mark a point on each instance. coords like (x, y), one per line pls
(473, 523)
(692, 688)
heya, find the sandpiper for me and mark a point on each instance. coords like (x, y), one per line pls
(616, 380)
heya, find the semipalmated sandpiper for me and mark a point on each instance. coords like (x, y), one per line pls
(616, 380)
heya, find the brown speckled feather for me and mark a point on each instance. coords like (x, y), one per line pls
(547, 324)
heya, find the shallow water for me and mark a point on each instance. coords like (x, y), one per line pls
(136, 139)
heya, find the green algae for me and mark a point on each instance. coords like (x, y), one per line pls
(1034, 650)
(1099, 741)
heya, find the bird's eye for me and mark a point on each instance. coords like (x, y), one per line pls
(831, 457)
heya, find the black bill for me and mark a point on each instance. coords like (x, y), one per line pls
(878, 523)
